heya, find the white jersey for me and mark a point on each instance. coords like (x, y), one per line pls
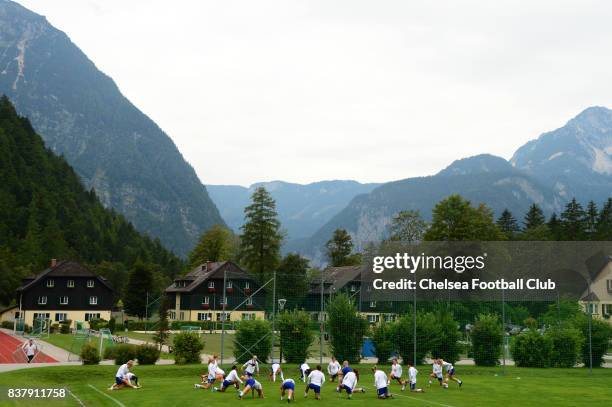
(396, 370)
(123, 371)
(437, 369)
(304, 367)
(233, 377)
(333, 368)
(289, 381)
(412, 374)
(30, 350)
(316, 377)
(350, 380)
(212, 370)
(219, 371)
(275, 367)
(447, 366)
(251, 366)
(380, 379)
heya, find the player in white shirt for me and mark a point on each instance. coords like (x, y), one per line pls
(380, 381)
(396, 373)
(333, 368)
(121, 376)
(232, 379)
(450, 373)
(30, 349)
(412, 378)
(251, 366)
(209, 378)
(316, 378)
(349, 383)
(304, 371)
(436, 372)
(132, 380)
(288, 387)
(276, 371)
(250, 384)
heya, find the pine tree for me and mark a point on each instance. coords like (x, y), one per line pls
(591, 220)
(163, 329)
(603, 229)
(573, 221)
(261, 239)
(534, 217)
(139, 288)
(339, 249)
(555, 227)
(507, 224)
(292, 282)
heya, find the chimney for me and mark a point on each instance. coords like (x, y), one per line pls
(53, 263)
(208, 265)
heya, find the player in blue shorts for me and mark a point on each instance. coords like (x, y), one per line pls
(315, 381)
(250, 384)
(450, 373)
(232, 379)
(380, 381)
(288, 387)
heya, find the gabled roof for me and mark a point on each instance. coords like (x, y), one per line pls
(336, 278)
(207, 271)
(64, 268)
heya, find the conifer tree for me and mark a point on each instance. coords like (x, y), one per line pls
(603, 229)
(534, 217)
(507, 224)
(339, 249)
(573, 221)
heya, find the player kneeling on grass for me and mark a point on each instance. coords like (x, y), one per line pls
(287, 387)
(436, 372)
(304, 371)
(121, 378)
(396, 373)
(276, 371)
(208, 379)
(232, 379)
(349, 384)
(316, 378)
(333, 368)
(250, 384)
(412, 374)
(450, 373)
(380, 381)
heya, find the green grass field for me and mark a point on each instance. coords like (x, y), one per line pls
(173, 385)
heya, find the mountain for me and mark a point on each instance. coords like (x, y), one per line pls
(483, 178)
(45, 212)
(116, 149)
(574, 160)
(302, 209)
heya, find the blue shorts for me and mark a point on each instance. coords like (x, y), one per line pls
(250, 382)
(412, 386)
(317, 389)
(451, 372)
(288, 386)
(211, 381)
(348, 389)
(382, 391)
(226, 384)
(118, 380)
(440, 378)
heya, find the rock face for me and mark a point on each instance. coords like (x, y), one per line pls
(114, 147)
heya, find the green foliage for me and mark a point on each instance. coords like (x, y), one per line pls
(187, 347)
(97, 324)
(534, 217)
(121, 353)
(256, 336)
(216, 244)
(601, 334)
(112, 325)
(487, 340)
(295, 335)
(140, 285)
(147, 354)
(446, 343)
(532, 349)
(382, 338)
(346, 328)
(507, 224)
(65, 326)
(292, 282)
(407, 226)
(339, 249)
(567, 343)
(427, 336)
(163, 327)
(573, 222)
(261, 238)
(90, 354)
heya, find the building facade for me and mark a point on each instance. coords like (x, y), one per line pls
(599, 300)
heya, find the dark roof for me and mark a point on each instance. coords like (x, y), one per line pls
(596, 264)
(207, 271)
(336, 278)
(64, 268)
(590, 297)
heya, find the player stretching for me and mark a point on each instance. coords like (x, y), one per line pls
(232, 379)
(250, 384)
(450, 373)
(209, 379)
(316, 378)
(349, 384)
(333, 368)
(288, 387)
(396, 373)
(412, 374)
(436, 372)
(380, 381)
(276, 371)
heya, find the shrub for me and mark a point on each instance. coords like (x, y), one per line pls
(427, 330)
(136, 326)
(7, 324)
(255, 336)
(346, 327)
(97, 324)
(187, 347)
(567, 345)
(147, 354)
(65, 326)
(121, 353)
(382, 338)
(112, 325)
(90, 354)
(532, 349)
(446, 343)
(601, 333)
(487, 339)
(295, 335)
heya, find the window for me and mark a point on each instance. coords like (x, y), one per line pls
(70, 284)
(172, 314)
(247, 285)
(91, 315)
(211, 284)
(372, 319)
(63, 300)
(607, 309)
(389, 317)
(61, 316)
(50, 283)
(249, 301)
(372, 304)
(591, 308)
(204, 316)
(93, 300)
(17, 315)
(42, 300)
(41, 315)
(248, 317)
(181, 283)
(223, 301)
(609, 284)
(353, 288)
(90, 283)
(220, 316)
(205, 300)
(182, 315)
(229, 284)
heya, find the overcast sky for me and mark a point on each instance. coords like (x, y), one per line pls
(367, 90)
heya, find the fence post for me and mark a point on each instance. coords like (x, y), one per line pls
(321, 318)
(273, 315)
(223, 315)
(414, 330)
(590, 312)
(505, 342)
(147, 314)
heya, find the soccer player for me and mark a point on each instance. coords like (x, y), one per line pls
(450, 372)
(304, 371)
(396, 373)
(412, 377)
(121, 376)
(436, 372)
(232, 379)
(316, 378)
(333, 368)
(345, 368)
(30, 349)
(249, 385)
(349, 383)
(132, 380)
(259, 389)
(380, 381)
(276, 370)
(208, 379)
(251, 366)
(288, 387)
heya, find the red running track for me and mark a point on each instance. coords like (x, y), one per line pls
(8, 345)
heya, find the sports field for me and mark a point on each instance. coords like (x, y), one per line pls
(173, 385)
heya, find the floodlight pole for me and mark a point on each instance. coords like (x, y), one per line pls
(414, 330)
(273, 313)
(321, 321)
(147, 313)
(223, 315)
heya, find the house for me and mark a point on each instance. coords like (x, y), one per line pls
(598, 300)
(199, 295)
(65, 291)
